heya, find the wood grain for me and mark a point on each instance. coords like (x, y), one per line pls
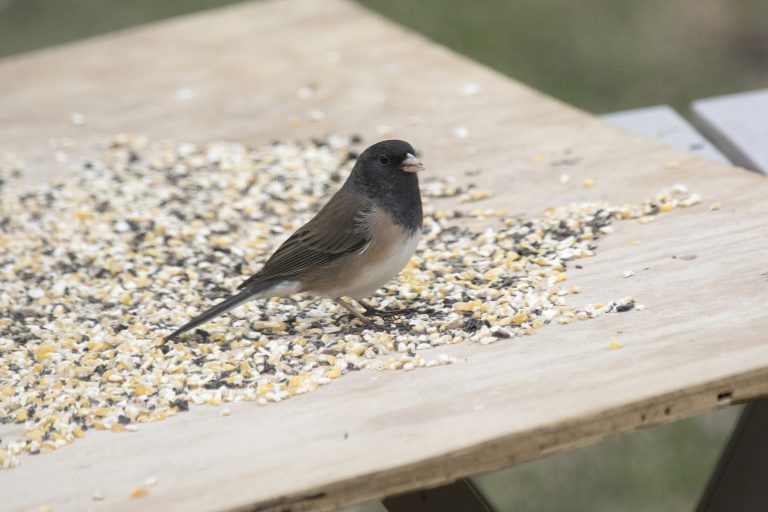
(700, 344)
(738, 123)
(664, 124)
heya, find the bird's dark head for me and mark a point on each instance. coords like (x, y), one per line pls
(386, 174)
(387, 163)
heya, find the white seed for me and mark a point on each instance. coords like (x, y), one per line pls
(304, 93)
(77, 119)
(316, 115)
(470, 89)
(184, 94)
(461, 132)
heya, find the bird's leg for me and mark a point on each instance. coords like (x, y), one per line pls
(353, 311)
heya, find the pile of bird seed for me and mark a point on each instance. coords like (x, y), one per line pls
(97, 269)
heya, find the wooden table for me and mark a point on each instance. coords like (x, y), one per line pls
(234, 74)
(737, 123)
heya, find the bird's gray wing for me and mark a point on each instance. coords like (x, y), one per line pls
(340, 228)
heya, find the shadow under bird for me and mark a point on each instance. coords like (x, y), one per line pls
(356, 243)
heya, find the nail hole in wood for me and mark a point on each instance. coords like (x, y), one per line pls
(725, 395)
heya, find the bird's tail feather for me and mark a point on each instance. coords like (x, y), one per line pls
(219, 309)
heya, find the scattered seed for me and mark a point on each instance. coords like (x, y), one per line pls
(36, 293)
(470, 89)
(139, 492)
(77, 119)
(304, 93)
(461, 132)
(184, 94)
(316, 115)
(91, 285)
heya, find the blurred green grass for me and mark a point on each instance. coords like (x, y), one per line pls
(657, 469)
(604, 55)
(600, 55)
(31, 24)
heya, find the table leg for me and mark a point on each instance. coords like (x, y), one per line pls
(459, 496)
(740, 480)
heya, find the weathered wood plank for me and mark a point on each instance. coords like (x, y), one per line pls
(738, 124)
(701, 344)
(663, 124)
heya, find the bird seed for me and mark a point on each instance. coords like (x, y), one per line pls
(98, 268)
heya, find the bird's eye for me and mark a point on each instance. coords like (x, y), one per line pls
(383, 160)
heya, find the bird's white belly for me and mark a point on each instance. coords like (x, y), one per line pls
(381, 269)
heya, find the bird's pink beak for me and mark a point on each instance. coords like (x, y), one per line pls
(411, 164)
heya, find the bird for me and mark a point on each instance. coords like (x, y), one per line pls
(361, 239)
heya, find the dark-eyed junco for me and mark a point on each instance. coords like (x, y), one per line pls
(357, 242)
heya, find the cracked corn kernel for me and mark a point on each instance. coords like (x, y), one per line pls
(181, 227)
(667, 207)
(139, 492)
(520, 318)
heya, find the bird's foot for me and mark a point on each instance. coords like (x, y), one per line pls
(366, 317)
(353, 313)
(366, 322)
